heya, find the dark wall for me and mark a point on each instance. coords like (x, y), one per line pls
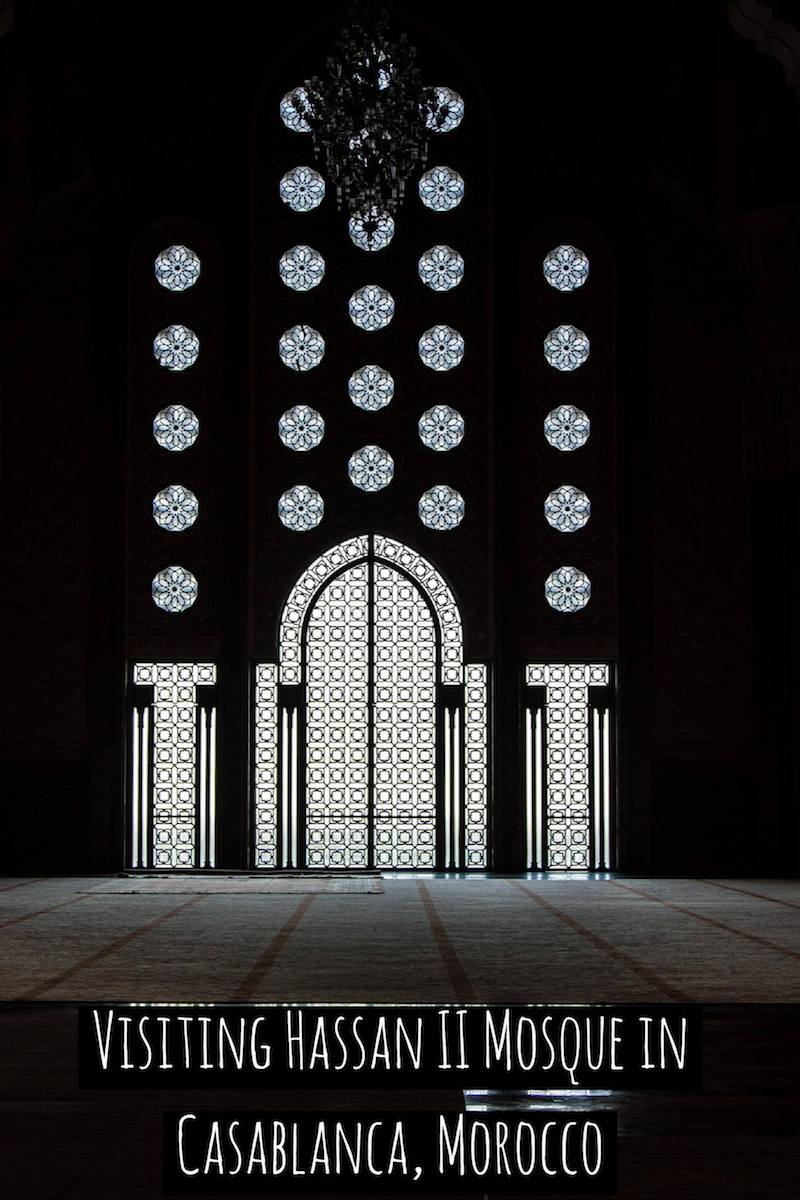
(672, 137)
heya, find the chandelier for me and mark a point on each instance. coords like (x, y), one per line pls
(370, 116)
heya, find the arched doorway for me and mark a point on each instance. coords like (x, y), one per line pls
(371, 747)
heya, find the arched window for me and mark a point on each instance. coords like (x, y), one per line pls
(371, 734)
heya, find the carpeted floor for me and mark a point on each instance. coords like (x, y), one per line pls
(432, 939)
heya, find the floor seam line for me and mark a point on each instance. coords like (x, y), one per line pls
(608, 948)
(740, 933)
(106, 951)
(264, 963)
(728, 887)
(456, 972)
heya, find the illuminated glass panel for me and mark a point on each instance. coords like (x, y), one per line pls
(567, 589)
(441, 428)
(175, 508)
(441, 189)
(176, 348)
(177, 268)
(174, 589)
(566, 348)
(566, 268)
(337, 723)
(175, 428)
(441, 268)
(301, 268)
(447, 110)
(173, 767)
(371, 388)
(371, 308)
(568, 769)
(266, 766)
(303, 189)
(371, 231)
(567, 428)
(371, 469)
(476, 765)
(404, 699)
(567, 508)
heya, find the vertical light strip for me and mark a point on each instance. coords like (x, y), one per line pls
(529, 826)
(294, 721)
(457, 852)
(539, 789)
(597, 772)
(285, 765)
(448, 792)
(136, 800)
(606, 789)
(212, 792)
(145, 789)
(202, 789)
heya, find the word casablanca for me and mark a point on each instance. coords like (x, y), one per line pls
(432, 1150)
(316, 1045)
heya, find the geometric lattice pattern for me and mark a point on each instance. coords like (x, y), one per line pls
(174, 752)
(266, 765)
(404, 722)
(337, 723)
(371, 630)
(476, 765)
(391, 551)
(567, 799)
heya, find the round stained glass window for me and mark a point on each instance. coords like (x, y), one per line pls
(372, 230)
(176, 347)
(301, 508)
(175, 508)
(447, 110)
(566, 348)
(301, 348)
(295, 108)
(441, 268)
(174, 589)
(177, 268)
(567, 508)
(301, 268)
(301, 428)
(441, 507)
(302, 189)
(441, 348)
(175, 428)
(371, 469)
(441, 427)
(566, 268)
(567, 428)
(441, 189)
(567, 589)
(371, 308)
(371, 388)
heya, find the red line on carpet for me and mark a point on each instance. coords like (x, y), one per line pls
(459, 980)
(712, 921)
(600, 943)
(111, 948)
(9, 887)
(748, 892)
(41, 911)
(263, 964)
